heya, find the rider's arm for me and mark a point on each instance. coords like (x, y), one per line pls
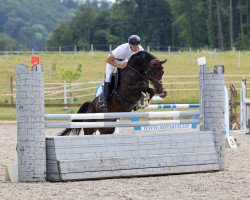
(111, 60)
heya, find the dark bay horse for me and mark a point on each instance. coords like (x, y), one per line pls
(134, 81)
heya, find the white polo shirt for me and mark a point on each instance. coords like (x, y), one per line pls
(123, 53)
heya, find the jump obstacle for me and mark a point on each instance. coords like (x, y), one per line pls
(175, 126)
(85, 157)
(169, 127)
(187, 126)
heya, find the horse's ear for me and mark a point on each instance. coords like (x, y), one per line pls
(162, 62)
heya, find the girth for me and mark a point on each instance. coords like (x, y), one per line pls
(127, 104)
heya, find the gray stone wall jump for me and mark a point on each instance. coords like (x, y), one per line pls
(30, 124)
(123, 155)
(212, 100)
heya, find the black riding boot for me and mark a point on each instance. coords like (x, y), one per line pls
(104, 99)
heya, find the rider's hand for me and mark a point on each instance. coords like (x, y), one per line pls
(123, 65)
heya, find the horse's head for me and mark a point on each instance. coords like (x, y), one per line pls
(149, 68)
(155, 72)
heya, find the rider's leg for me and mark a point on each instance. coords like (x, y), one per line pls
(109, 70)
(103, 98)
(106, 88)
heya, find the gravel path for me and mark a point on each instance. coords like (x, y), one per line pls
(233, 183)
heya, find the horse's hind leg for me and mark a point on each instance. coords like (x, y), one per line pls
(104, 131)
(89, 131)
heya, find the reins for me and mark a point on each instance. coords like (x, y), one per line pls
(138, 73)
(146, 72)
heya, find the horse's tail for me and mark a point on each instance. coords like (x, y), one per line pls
(76, 131)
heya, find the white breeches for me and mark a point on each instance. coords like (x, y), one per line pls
(109, 70)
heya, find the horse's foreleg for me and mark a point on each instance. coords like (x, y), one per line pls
(151, 92)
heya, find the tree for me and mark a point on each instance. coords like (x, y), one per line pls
(61, 36)
(211, 25)
(69, 76)
(8, 44)
(82, 25)
(231, 23)
(219, 25)
(150, 19)
(31, 21)
(154, 22)
(243, 34)
(191, 21)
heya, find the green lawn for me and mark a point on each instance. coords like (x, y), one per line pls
(179, 65)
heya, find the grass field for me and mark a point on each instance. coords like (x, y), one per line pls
(179, 66)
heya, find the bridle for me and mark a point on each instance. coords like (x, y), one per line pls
(146, 77)
(152, 63)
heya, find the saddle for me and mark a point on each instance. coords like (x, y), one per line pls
(114, 84)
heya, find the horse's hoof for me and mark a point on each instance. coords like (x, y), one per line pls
(103, 108)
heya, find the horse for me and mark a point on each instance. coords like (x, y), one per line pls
(132, 86)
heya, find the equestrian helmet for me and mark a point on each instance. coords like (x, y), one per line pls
(134, 40)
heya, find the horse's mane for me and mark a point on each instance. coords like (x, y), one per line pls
(141, 55)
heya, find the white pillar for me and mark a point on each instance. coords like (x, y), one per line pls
(31, 152)
(227, 123)
(212, 101)
(243, 109)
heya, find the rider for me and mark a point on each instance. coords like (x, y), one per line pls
(118, 58)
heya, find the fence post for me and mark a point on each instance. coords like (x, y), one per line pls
(6, 62)
(238, 59)
(11, 90)
(110, 47)
(148, 49)
(190, 56)
(65, 95)
(214, 54)
(92, 48)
